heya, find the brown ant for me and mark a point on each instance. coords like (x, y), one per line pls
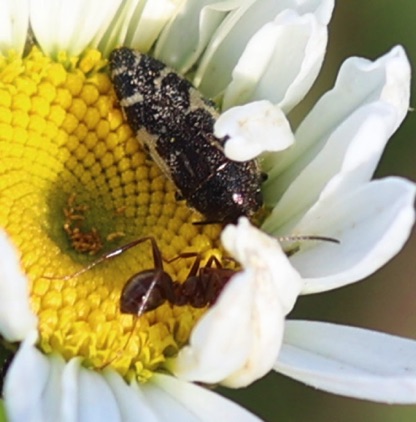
(148, 289)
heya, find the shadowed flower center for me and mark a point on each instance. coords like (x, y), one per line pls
(74, 184)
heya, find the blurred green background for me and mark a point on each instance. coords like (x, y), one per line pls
(387, 300)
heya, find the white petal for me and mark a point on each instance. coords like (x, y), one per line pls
(96, 401)
(372, 224)
(136, 24)
(202, 403)
(220, 342)
(114, 33)
(238, 339)
(165, 405)
(350, 361)
(323, 10)
(360, 82)
(69, 25)
(17, 320)
(25, 383)
(40, 388)
(231, 38)
(70, 390)
(253, 128)
(311, 38)
(59, 391)
(347, 160)
(14, 24)
(51, 399)
(188, 33)
(261, 253)
(133, 405)
(154, 16)
(267, 70)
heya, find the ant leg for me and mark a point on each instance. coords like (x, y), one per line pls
(214, 277)
(195, 266)
(157, 255)
(206, 284)
(180, 256)
(183, 292)
(115, 252)
(213, 260)
(200, 285)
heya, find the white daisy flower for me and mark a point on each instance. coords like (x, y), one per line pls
(74, 182)
(321, 185)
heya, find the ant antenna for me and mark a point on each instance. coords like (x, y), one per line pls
(108, 255)
(295, 238)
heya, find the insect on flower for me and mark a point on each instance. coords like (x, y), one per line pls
(175, 124)
(148, 289)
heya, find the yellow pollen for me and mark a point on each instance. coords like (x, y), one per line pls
(74, 184)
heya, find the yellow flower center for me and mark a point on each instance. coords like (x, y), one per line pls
(74, 184)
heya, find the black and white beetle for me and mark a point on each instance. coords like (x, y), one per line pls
(175, 124)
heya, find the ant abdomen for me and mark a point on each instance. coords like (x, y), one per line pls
(146, 291)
